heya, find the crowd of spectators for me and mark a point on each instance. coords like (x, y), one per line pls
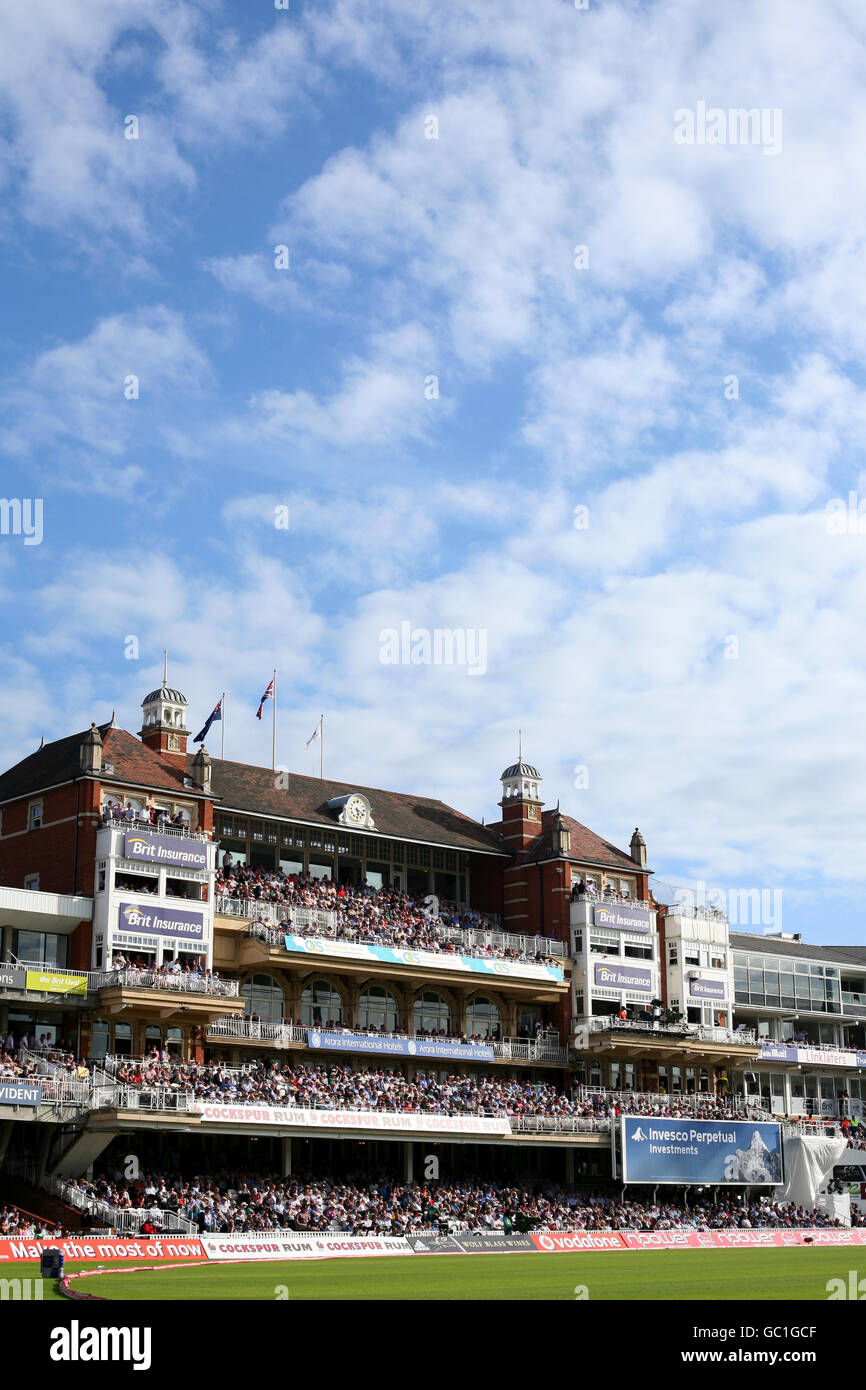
(374, 916)
(240, 1201)
(139, 970)
(342, 1087)
(114, 811)
(20, 1225)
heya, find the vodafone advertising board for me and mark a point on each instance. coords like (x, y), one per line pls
(579, 1241)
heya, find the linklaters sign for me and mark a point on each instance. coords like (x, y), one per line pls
(164, 849)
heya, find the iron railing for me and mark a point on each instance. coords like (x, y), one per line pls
(267, 923)
(152, 979)
(183, 832)
(701, 1032)
(546, 1048)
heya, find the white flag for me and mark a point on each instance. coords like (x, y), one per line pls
(317, 733)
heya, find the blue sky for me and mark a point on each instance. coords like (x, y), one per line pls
(692, 660)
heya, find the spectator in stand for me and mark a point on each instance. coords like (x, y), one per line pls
(240, 1201)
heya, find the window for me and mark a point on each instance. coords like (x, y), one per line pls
(320, 1003)
(672, 953)
(638, 951)
(32, 882)
(482, 1016)
(431, 1014)
(37, 948)
(377, 1008)
(36, 815)
(263, 996)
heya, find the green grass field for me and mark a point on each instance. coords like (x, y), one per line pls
(660, 1276)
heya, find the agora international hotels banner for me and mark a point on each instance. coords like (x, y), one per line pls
(666, 1150)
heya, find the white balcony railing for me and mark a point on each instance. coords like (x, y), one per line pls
(613, 900)
(96, 980)
(546, 1048)
(559, 1124)
(257, 1030)
(152, 979)
(267, 921)
(701, 1032)
(689, 1101)
(123, 1219)
(184, 832)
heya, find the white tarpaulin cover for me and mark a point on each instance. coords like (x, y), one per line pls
(808, 1163)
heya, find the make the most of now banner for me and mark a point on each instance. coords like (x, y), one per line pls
(98, 1248)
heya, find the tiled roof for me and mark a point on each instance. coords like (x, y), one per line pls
(242, 787)
(61, 761)
(586, 846)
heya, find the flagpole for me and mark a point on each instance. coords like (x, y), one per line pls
(223, 730)
(321, 747)
(274, 736)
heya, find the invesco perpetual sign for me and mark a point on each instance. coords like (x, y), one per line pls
(622, 916)
(164, 849)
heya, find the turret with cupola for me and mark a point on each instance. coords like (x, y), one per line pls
(521, 804)
(164, 723)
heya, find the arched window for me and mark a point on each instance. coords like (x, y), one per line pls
(482, 1016)
(377, 1008)
(320, 1002)
(263, 996)
(123, 1039)
(152, 1036)
(174, 1042)
(99, 1038)
(431, 1013)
